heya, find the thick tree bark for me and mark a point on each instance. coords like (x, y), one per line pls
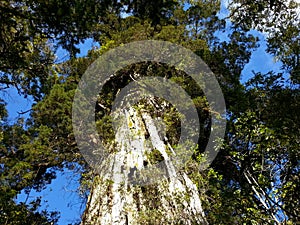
(174, 200)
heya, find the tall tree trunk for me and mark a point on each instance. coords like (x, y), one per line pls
(174, 200)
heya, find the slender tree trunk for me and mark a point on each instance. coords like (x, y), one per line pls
(174, 200)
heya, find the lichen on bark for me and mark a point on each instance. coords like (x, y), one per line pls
(131, 189)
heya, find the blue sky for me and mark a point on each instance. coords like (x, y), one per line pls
(62, 194)
(260, 60)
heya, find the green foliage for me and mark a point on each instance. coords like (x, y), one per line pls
(282, 37)
(255, 176)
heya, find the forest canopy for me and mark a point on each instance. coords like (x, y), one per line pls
(255, 178)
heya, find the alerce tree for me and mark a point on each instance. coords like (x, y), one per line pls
(253, 180)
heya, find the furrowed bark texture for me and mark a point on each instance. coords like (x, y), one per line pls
(174, 200)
